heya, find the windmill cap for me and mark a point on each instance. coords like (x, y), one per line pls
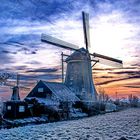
(80, 54)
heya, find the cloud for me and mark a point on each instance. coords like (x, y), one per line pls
(39, 10)
(106, 77)
(41, 76)
(117, 80)
(33, 62)
(20, 67)
(110, 81)
(136, 65)
(44, 70)
(102, 77)
(27, 51)
(133, 72)
(133, 86)
(5, 59)
(126, 75)
(8, 52)
(112, 23)
(113, 69)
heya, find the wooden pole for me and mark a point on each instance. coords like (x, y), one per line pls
(62, 67)
(18, 76)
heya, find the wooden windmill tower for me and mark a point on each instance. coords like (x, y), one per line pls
(79, 67)
(15, 94)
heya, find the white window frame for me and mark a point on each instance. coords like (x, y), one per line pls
(40, 90)
(21, 108)
(9, 107)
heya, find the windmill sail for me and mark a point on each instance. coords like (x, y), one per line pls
(86, 29)
(58, 42)
(107, 60)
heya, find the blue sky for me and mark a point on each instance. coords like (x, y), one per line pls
(114, 31)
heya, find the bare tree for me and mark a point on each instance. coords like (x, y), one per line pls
(133, 100)
(103, 97)
(130, 98)
(4, 76)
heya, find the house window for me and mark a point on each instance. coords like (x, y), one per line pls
(21, 108)
(40, 90)
(9, 107)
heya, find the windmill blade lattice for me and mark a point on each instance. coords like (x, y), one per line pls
(58, 42)
(107, 60)
(86, 29)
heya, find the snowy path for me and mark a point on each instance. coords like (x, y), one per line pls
(112, 126)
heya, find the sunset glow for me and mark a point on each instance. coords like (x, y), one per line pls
(114, 32)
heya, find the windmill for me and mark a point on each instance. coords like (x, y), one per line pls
(15, 94)
(14, 108)
(15, 88)
(79, 64)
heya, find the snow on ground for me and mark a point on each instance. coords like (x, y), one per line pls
(111, 126)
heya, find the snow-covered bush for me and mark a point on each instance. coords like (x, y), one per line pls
(1, 106)
(110, 107)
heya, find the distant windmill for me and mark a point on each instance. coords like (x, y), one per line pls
(15, 88)
(79, 68)
(15, 94)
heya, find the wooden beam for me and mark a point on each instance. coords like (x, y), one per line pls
(62, 67)
(106, 57)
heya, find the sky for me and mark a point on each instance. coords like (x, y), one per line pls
(114, 31)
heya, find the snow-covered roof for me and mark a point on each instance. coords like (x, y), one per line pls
(46, 101)
(61, 91)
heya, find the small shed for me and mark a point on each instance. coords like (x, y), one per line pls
(15, 109)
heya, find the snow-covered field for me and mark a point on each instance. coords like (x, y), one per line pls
(111, 126)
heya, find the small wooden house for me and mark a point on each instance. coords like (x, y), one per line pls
(51, 98)
(52, 93)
